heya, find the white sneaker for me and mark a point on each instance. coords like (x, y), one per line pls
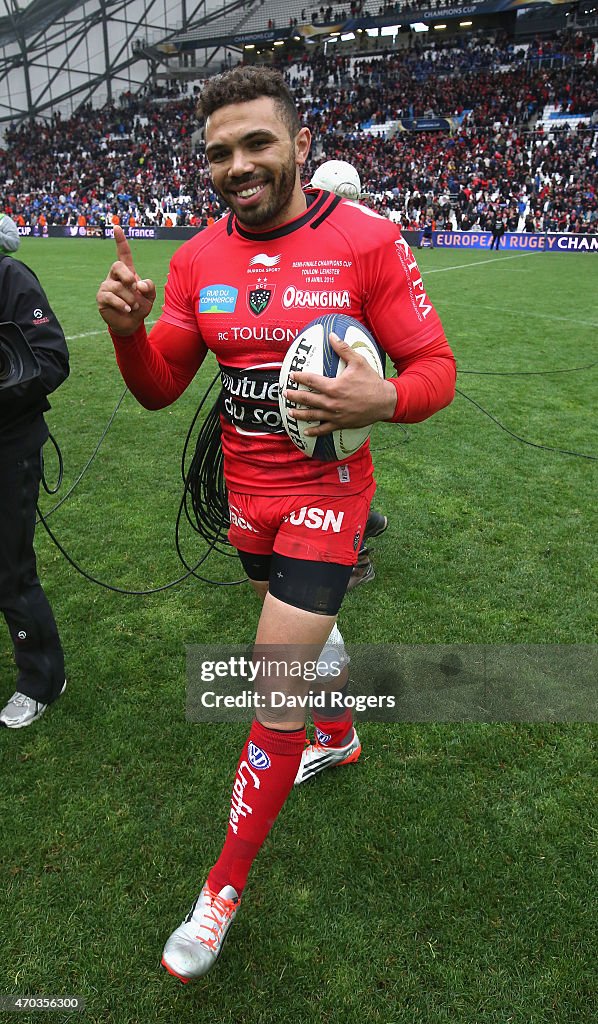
(317, 756)
(194, 947)
(22, 710)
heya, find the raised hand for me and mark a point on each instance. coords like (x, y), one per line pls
(124, 299)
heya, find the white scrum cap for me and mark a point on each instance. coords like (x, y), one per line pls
(338, 176)
(9, 234)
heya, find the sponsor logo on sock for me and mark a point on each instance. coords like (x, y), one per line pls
(239, 808)
(258, 757)
(323, 737)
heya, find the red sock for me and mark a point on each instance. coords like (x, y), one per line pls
(265, 776)
(334, 732)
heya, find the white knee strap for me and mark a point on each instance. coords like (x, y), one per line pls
(333, 655)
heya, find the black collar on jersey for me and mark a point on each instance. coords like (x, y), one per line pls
(320, 205)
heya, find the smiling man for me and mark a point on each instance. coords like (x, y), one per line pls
(243, 290)
(254, 157)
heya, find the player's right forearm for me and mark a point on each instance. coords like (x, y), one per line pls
(144, 370)
(157, 368)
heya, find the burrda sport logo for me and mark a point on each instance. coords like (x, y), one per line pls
(264, 261)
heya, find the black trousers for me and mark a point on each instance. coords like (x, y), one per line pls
(37, 648)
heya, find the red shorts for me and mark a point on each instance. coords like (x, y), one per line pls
(318, 529)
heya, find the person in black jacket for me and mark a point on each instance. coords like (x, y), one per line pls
(498, 229)
(25, 314)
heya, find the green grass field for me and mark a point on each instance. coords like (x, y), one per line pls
(449, 878)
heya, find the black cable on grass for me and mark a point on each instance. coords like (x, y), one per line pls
(406, 438)
(527, 373)
(54, 490)
(532, 444)
(101, 583)
(203, 503)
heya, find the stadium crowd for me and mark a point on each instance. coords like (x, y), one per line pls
(536, 183)
(137, 163)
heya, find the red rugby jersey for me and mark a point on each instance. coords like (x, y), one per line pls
(245, 294)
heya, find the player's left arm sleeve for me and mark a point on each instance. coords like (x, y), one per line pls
(406, 325)
(426, 382)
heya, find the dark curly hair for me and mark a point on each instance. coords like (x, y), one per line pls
(241, 85)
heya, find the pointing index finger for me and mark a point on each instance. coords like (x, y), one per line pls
(123, 249)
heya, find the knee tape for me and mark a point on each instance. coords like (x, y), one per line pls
(333, 657)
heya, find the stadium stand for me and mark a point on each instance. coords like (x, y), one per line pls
(504, 144)
(281, 14)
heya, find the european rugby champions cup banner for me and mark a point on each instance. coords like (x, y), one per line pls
(442, 239)
(516, 242)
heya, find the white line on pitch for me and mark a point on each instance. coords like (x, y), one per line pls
(100, 330)
(478, 263)
(543, 316)
(501, 309)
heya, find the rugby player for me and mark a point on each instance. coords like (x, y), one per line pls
(242, 290)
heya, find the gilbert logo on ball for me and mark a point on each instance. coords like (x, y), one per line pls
(311, 352)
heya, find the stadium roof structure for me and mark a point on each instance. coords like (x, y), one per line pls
(56, 55)
(59, 54)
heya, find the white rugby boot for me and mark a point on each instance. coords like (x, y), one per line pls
(194, 947)
(317, 756)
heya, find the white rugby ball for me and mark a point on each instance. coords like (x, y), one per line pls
(311, 352)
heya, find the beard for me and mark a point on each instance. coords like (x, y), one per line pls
(273, 206)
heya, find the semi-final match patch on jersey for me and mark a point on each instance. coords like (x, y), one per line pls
(218, 298)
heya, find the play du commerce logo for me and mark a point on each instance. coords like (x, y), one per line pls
(218, 298)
